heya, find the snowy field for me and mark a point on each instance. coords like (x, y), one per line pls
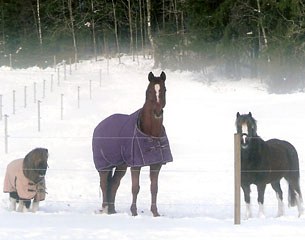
(195, 191)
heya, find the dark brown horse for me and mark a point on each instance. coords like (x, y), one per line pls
(134, 141)
(264, 162)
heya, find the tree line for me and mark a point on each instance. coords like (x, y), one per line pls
(236, 38)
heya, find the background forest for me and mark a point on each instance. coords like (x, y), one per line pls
(234, 38)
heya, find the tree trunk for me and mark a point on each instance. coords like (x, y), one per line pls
(93, 31)
(141, 28)
(72, 31)
(116, 31)
(130, 31)
(39, 24)
(150, 37)
(2, 26)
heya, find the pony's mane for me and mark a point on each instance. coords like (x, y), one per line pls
(32, 160)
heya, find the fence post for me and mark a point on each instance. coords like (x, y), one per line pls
(39, 115)
(1, 107)
(25, 96)
(58, 77)
(62, 106)
(14, 101)
(65, 70)
(237, 177)
(44, 88)
(51, 85)
(5, 134)
(78, 97)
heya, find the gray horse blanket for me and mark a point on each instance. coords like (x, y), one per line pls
(118, 140)
(15, 181)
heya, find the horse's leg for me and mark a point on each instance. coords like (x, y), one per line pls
(246, 190)
(105, 182)
(279, 195)
(261, 191)
(154, 174)
(115, 183)
(135, 179)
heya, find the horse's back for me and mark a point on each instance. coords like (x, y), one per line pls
(106, 141)
(286, 150)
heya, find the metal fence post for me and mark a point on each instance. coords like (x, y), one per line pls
(38, 105)
(14, 101)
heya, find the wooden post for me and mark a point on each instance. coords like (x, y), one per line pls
(38, 105)
(5, 134)
(1, 107)
(237, 177)
(14, 101)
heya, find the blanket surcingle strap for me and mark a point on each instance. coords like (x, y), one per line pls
(118, 140)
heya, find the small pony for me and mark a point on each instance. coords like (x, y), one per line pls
(25, 180)
(264, 162)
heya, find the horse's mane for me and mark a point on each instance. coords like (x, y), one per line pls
(31, 162)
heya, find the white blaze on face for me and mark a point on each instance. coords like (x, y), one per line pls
(244, 130)
(157, 89)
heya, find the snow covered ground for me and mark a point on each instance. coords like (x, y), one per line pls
(195, 191)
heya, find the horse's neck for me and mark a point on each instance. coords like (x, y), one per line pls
(149, 124)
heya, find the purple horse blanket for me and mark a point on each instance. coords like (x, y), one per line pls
(118, 140)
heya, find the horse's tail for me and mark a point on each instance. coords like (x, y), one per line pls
(292, 196)
(294, 190)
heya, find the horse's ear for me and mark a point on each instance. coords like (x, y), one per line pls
(237, 114)
(250, 114)
(163, 76)
(151, 76)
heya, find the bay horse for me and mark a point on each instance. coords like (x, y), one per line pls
(134, 141)
(264, 162)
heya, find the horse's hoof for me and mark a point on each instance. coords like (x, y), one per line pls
(156, 214)
(134, 210)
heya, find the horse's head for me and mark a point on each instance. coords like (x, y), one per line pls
(155, 94)
(246, 127)
(35, 164)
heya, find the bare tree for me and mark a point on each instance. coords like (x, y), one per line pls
(150, 37)
(116, 31)
(93, 31)
(73, 31)
(130, 30)
(39, 24)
